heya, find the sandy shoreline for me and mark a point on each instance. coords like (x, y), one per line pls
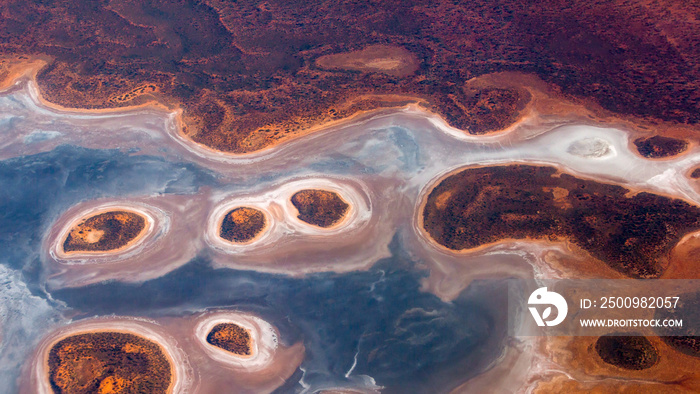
(340, 223)
(290, 239)
(358, 208)
(153, 255)
(36, 94)
(263, 336)
(544, 101)
(176, 131)
(147, 229)
(361, 238)
(423, 198)
(233, 205)
(176, 115)
(154, 218)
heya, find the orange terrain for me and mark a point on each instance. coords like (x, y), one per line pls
(633, 234)
(104, 232)
(242, 224)
(249, 75)
(108, 362)
(232, 338)
(321, 208)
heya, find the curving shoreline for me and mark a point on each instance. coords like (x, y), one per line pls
(150, 256)
(248, 239)
(286, 232)
(292, 238)
(145, 230)
(181, 374)
(154, 218)
(263, 340)
(561, 168)
(355, 211)
(544, 99)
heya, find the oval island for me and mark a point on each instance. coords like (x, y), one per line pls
(108, 362)
(628, 352)
(322, 208)
(232, 338)
(658, 147)
(242, 224)
(105, 232)
(240, 341)
(695, 174)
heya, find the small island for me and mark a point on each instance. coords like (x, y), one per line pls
(105, 232)
(242, 224)
(108, 362)
(695, 174)
(627, 352)
(320, 208)
(658, 146)
(232, 338)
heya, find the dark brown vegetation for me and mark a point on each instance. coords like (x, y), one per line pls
(490, 109)
(695, 174)
(659, 146)
(628, 352)
(108, 362)
(245, 72)
(322, 208)
(232, 338)
(633, 235)
(689, 345)
(104, 232)
(242, 224)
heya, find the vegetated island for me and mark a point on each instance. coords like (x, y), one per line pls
(232, 338)
(322, 208)
(631, 234)
(108, 362)
(658, 146)
(695, 174)
(250, 75)
(242, 224)
(627, 352)
(104, 232)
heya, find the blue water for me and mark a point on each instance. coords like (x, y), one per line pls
(407, 340)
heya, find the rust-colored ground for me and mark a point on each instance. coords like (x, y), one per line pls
(627, 352)
(588, 372)
(633, 234)
(104, 232)
(108, 362)
(250, 74)
(321, 208)
(232, 338)
(659, 146)
(242, 224)
(14, 67)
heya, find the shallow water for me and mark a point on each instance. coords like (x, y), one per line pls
(359, 298)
